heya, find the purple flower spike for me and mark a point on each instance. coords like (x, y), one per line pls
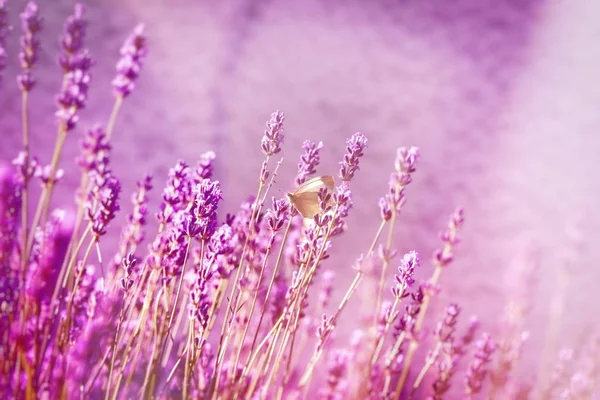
(107, 195)
(354, 151)
(10, 212)
(205, 167)
(404, 278)
(43, 173)
(31, 24)
(406, 159)
(72, 98)
(53, 242)
(94, 151)
(278, 215)
(74, 56)
(337, 370)
(444, 255)
(477, 371)
(405, 165)
(74, 28)
(273, 137)
(204, 209)
(3, 32)
(309, 161)
(25, 173)
(128, 267)
(133, 52)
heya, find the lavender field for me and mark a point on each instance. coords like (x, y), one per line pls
(149, 248)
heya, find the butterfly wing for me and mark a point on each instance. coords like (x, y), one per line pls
(316, 183)
(305, 198)
(307, 203)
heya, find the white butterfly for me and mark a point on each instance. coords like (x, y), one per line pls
(305, 198)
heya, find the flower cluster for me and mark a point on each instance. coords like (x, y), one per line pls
(133, 53)
(273, 137)
(240, 305)
(355, 146)
(31, 25)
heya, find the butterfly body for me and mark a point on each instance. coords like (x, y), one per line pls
(305, 198)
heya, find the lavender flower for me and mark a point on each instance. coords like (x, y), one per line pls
(10, 209)
(336, 374)
(89, 347)
(354, 151)
(31, 24)
(404, 278)
(444, 256)
(450, 354)
(128, 266)
(326, 288)
(71, 42)
(3, 32)
(342, 198)
(106, 204)
(72, 98)
(405, 165)
(406, 324)
(133, 233)
(52, 242)
(273, 137)
(95, 150)
(177, 194)
(44, 174)
(324, 330)
(205, 167)
(204, 209)
(133, 52)
(478, 370)
(309, 161)
(26, 173)
(277, 216)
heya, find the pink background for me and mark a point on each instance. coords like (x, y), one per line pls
(501, 96)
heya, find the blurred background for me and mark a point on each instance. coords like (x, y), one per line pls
(500, 96)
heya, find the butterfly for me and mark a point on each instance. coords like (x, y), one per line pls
(305, 198)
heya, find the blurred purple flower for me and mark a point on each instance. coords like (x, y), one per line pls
(95, 150)
(444, 256)
(128, 267)
(72, 40)
(31, 25)
(337, 369)
(133, 232)
(72, 98)
(25, 174)
(478, 370)
(133, 52)
(52, 242)
(10, 214)
(205, 167)
(43, 173)
(3, 31)
(177, 193)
